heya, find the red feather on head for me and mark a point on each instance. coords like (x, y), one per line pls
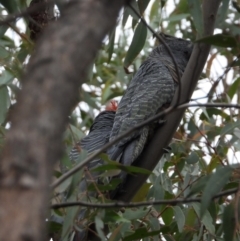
(112, 106)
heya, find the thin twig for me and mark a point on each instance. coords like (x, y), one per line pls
(25, 13)
(230, 65)
(150, 120)
(109, 144)
(161, 40)
(139, 204)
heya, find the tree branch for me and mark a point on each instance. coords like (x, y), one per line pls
(163, 135)
(140, 204)
(49, 92)
(25, 13)
(120, 137)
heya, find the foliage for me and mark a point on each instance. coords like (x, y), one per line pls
(204, 154)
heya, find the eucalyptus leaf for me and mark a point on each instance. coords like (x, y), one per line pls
(137, 44)
(220, 40)
(214, 186)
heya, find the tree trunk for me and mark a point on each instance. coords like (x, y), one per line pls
(55, 72)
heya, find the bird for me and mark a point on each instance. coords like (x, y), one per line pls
(151, 90)
(98, 136)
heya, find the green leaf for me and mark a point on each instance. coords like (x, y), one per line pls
(23, 52)
(111, 45)
(74, 182)
(76, 133)
(115, 166)
(120, 231)
(68, 220)
(177, 17)
(196, 12)
(166, 182)
(87, 97)
(168, 237)
(130, 11)
(158, 194)
(229, 128)
(3, 29)
(213, 163)
(54, 227)
(142, 4)
(229, 222)
(154, 10)
(10, 5)
(236, 6)
(180, 218)
(206, 219)
(125, 16)
(141, 233)
(6, 77)
(99, 227)
(3, 53)
(220, 40)
(167, 215)
(137, 44)
(64, 185)
(191, 217)
(134, 214)
(4, 103)
(142, 192)
(114, 183)
(233, 88)
(214, 186)
(107, 91)
(112, 216)
(192, 158)
(209, 113)
(237, 132)
(222, 13)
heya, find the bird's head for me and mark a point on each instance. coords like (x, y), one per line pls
(178, 44)
(112, 105)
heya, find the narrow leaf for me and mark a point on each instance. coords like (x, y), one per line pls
(214, 186)
(99, 227)
(236, 5)
(220, 40)
(142, 4)
(137, 44)
(180, 218)
(229, 128)
(167, 216)
(10, 5)
(68, 220)
(192, 158)
(233, 88)
(3, 53)
(141, 233)
(222, 13)
(6, 77)
(3, 29)
(111, 45)
(229, 222)
(134, 214)
(4, 103)
(196, 12)
(206, 219)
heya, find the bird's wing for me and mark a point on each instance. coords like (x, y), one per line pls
(150, 89)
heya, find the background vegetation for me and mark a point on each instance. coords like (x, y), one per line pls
(204, 155)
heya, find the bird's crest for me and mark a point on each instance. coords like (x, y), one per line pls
(112, 105)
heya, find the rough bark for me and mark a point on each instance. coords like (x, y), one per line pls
(40, 18)
(50, 90)
(155, 149)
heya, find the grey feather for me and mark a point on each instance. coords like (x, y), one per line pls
(98, 136)
(152, 88)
